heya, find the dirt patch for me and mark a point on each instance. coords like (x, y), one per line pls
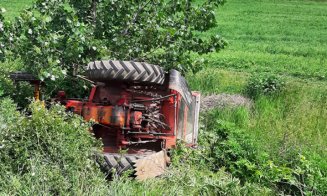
(224, 101)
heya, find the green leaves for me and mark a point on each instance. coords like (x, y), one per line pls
(75, 32)
(46, 150)
(49, 37)
(264, 84)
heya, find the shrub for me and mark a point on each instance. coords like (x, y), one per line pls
(264, 84)
(229, 147)
(46, 152)
(224, 145)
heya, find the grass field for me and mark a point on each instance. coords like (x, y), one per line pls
(264, 36)
(284, 37)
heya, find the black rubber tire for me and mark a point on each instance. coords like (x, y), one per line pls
(107, 70)
(116, 164)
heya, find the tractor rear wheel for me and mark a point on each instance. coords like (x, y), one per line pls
(142, 166)
(107, 70)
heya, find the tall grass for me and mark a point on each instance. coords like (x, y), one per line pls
(295, 120)
(213, 80)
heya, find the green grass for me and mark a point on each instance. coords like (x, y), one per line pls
(212, 80)
(286, 37)
(13, 7)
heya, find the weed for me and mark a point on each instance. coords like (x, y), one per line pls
(264, 84)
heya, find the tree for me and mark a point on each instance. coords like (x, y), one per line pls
(53, 37)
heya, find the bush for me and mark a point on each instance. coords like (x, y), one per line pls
(264, 84)
(224, 145)
(230, 147)
(46, 152)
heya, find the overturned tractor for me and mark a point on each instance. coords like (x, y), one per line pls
(140, 112)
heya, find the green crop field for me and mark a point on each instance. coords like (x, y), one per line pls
(286, 37)
(283, 38)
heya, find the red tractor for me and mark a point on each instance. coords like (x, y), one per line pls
(140, 112)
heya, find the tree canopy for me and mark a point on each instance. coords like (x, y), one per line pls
(53, 37)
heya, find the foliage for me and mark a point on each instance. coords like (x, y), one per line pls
(53, 37)
(230, 147)
(226, 146)
(46, 152)
(21, 92)
(187, 178)
(264, 84)
(49, 41)
(3, 34)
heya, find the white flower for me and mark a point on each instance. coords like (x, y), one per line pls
(3, 10)
(94, 48)
(30, 31)
(53, 78)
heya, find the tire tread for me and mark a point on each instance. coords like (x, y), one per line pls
(107, 70)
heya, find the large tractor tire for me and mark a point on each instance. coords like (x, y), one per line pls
(107, 70)
(142, 166)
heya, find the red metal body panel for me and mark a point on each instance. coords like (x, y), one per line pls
(132, 117)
